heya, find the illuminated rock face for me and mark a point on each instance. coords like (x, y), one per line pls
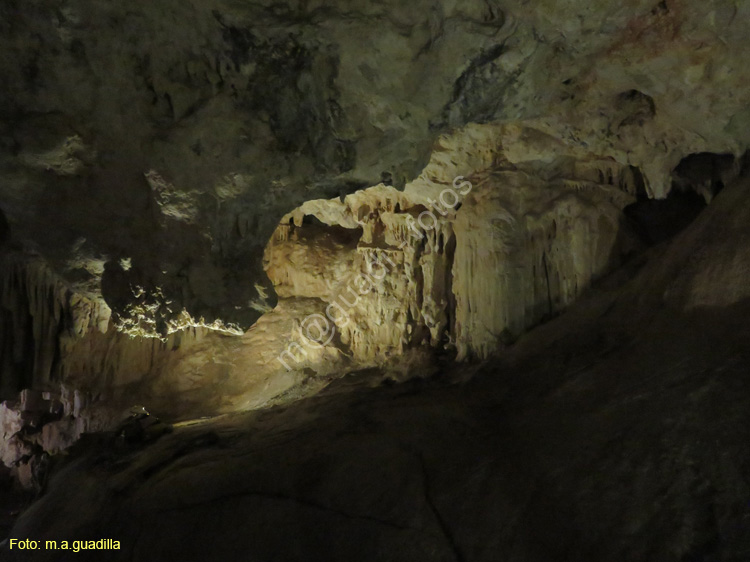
(636, 397)
(211, 206)
(175, 140)
(505, 228)
(146, 168)
(462, 264)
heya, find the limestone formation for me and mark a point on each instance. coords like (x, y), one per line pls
(454, 261)
(209, 207)
(616, 431)
(178, 137)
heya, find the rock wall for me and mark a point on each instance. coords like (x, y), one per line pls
(173, 137)
(40, 315)
(148, 154)
(465, 263)
(50, 335)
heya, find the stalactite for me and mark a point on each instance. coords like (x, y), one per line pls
(523, 247)
(50, 335)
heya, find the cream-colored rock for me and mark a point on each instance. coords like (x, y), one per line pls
(14, 449)
(60, 435)
(458, 262)
(68, 159)
(149, 165)
(48, 423)
(11, 420)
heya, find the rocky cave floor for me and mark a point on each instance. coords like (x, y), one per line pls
(618, 431)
